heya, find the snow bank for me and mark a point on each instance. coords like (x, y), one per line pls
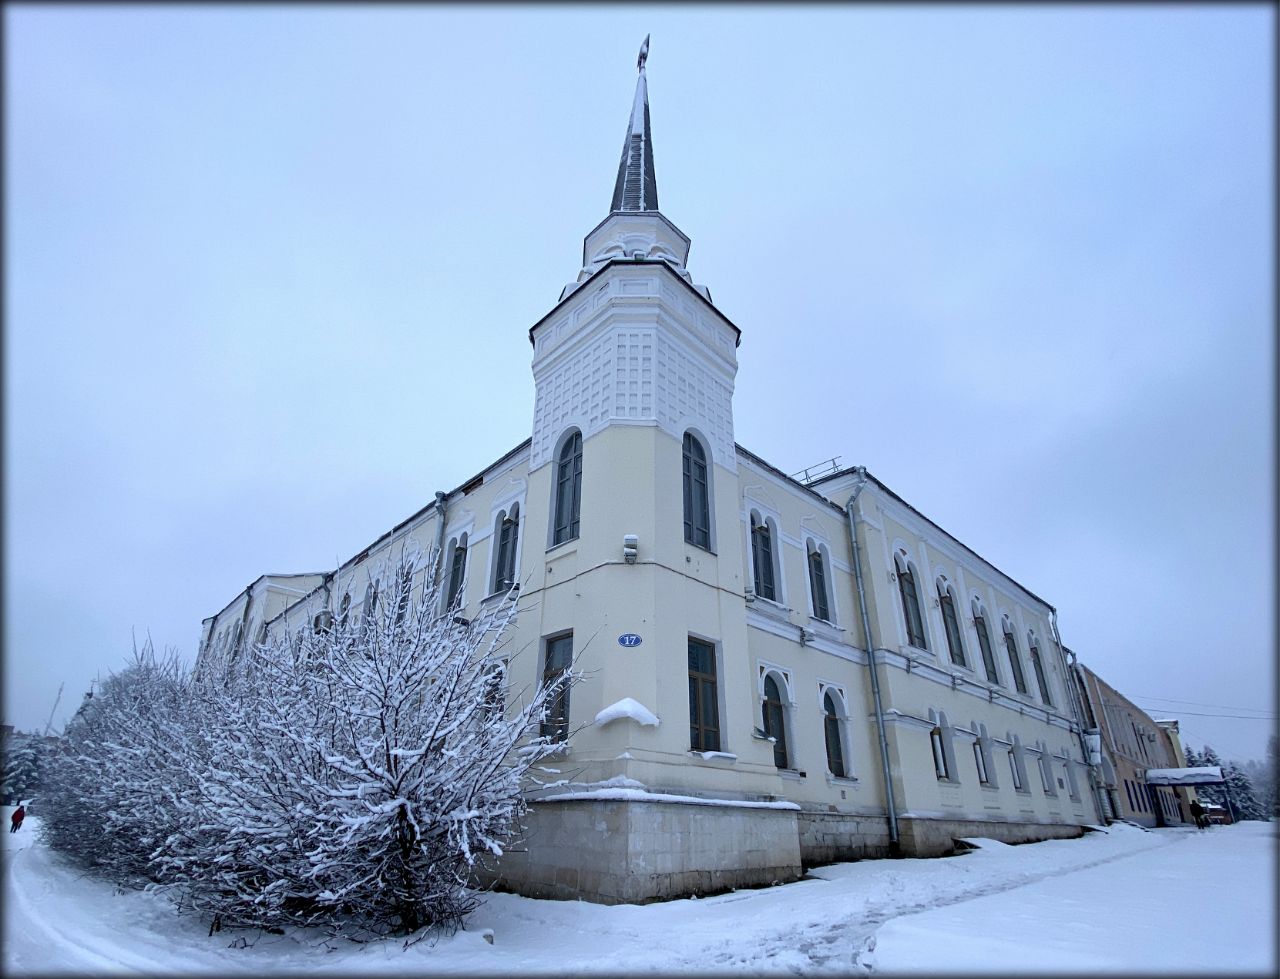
(626, 707)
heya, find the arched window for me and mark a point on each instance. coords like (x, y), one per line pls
(951, 625)
(1015, 661)
(819, 589)
(568, 490)
(774, 717)
(1017, 766)
(910, 603)
(507, 533)
(982, 757)
(942, 745)
(457, 570)
(404, 590)
(984, 643)
(344, 610)
(697, 493)
(762, 558)
(370, 603)
(1038, 667)
(831, 728)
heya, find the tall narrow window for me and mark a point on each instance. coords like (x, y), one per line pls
(762, 559)
(404, 589)
(980, 760)
(504, 568)
(774, 721)
(568, 490)
(344, 611)
(1015, 770)
(951, 625)
(558, 659)
(704, 708)
(1038, 667)
(1015, 662)
(831, 731)
(818, 584)
(984, 643)
(697, 498)
(911, 605)
(457, 572)
(939, 754)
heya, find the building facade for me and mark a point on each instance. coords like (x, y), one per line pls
(1132, 743)
(856, 682)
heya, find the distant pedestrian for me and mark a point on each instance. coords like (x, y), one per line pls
(1197, 811)
(16, 819)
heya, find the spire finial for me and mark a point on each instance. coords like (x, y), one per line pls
(644, 54)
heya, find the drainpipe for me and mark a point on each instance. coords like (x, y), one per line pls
(442, 507)
(1069, 676)
(850, 510)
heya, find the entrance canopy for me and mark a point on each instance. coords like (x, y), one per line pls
(1206, 775)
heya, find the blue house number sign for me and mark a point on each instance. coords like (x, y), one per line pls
(629, 639)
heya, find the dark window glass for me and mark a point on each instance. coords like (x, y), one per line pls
(457, 574)
(831, 729)
(568, 490)
(911, 608)
(980, 760)
(504, 572)
(697, 503)
(559, 658)
(951, 625)
(818, 585)
(1013, 770)
(1040, 679)
(1015, 662)
(939, 754)
(762, 561)
(774, 725)
(404, 588)
(704, 709)
(984, 643)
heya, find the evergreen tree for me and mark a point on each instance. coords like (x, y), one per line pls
(22, 760)
(1240, 792)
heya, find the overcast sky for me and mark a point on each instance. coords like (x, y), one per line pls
(270, 273)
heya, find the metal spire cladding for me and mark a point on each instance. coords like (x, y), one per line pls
(637, 187)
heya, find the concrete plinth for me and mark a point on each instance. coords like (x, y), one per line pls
(634, 852)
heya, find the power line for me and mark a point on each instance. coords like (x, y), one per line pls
(1196, 713)
(1194, 703)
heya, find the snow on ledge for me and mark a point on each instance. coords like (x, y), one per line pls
(1203, 775)
(639, 795)
(626, 707)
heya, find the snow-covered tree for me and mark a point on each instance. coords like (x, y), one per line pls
(359, 773)
(111, 782)
(22, 763)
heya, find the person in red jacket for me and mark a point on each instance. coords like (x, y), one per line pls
(19, 815)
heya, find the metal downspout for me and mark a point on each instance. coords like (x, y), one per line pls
(894, 846)
(442, 508)
(1073, 694)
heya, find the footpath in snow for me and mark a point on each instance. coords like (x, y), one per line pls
(1115, 902)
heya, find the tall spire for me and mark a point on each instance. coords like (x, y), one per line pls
(637, 187)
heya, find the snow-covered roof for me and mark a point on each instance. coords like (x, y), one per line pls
(637, 186)
(1204, 775)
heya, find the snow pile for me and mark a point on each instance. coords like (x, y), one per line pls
(1104, 903)
(640, 795)
(626, 707)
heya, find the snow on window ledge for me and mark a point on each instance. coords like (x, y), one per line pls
(630, 709)
(722, 758)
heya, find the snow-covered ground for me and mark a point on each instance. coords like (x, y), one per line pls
(1120, 901)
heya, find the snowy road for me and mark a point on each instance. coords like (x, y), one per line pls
(1110, 902)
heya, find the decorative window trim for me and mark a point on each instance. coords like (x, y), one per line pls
(499, 517)
(814, 546)
(843, 729)
(764, 524)
(904, 565)
(782, 680)
(689, 471)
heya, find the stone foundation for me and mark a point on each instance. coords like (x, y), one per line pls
(635, 852)
(832, 837)
(936, 837)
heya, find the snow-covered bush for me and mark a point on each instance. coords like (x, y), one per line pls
(112, 780)
(352, 775)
